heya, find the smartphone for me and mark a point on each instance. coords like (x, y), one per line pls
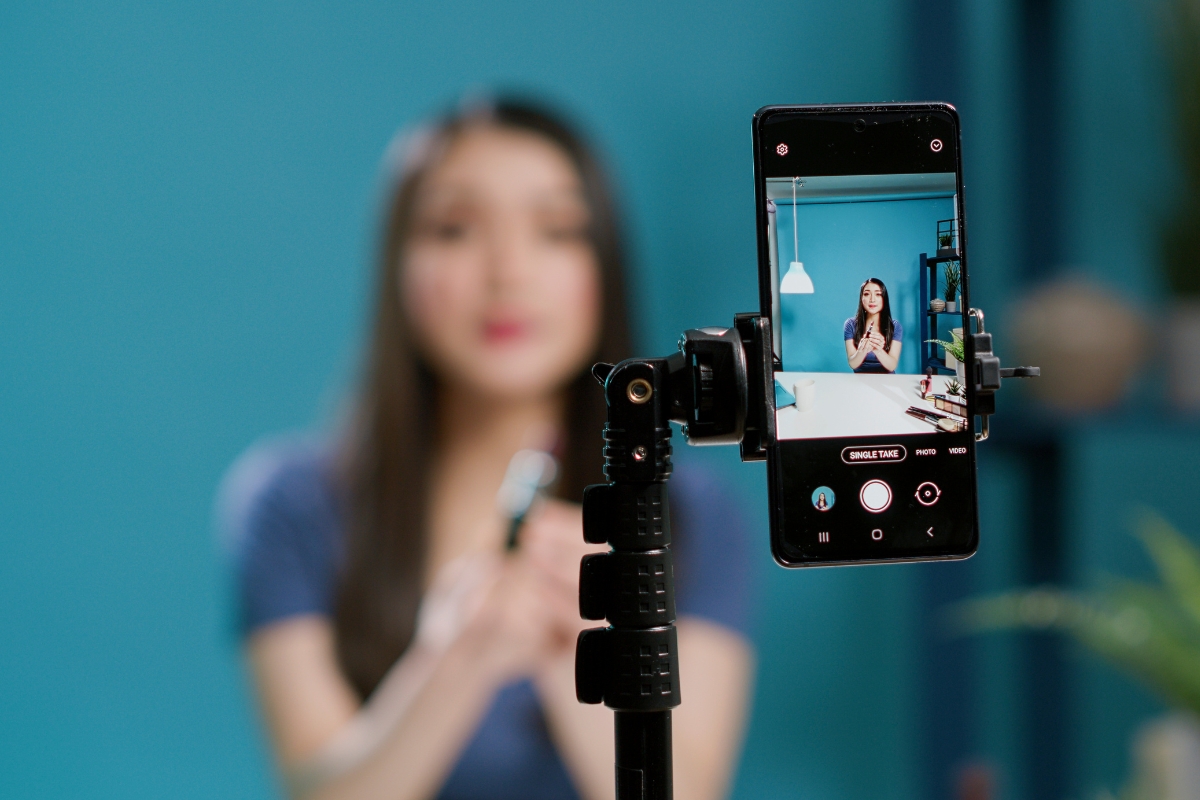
(862, 249)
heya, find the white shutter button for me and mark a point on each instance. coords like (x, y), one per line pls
(875, 496)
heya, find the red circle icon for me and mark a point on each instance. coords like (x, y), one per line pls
(781, 149)
(936, 145)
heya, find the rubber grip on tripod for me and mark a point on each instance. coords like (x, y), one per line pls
(629, 589)
(628, 516)
(628, 669)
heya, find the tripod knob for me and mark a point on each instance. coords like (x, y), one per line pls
(628, 589)
(628, 669)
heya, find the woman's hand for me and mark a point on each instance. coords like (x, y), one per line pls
(890, 357)
(486, 619)
(877, 341)
(512, 624)
(856, 354)
(553, 540)
(521, 609)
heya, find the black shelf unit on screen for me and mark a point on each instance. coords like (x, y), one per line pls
(929, 326)
(947, 237)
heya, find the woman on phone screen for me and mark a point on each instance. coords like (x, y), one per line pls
(873, 338)
(398, 649)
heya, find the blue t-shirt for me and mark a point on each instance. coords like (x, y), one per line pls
(871, 362)
(283, 522)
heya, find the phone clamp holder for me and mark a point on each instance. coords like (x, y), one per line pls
(987, 374)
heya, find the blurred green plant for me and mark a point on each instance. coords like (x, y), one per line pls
(1149, 630)
(1181, 233)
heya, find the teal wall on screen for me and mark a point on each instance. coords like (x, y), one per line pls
(187, 206)
(841, 245)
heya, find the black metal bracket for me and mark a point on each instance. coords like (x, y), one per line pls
(987, 374)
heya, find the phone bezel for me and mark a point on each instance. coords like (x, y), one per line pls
(774, 468)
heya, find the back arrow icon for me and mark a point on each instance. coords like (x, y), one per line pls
(930, 531)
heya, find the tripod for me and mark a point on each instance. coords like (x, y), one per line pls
(633, 665)
(720, 387)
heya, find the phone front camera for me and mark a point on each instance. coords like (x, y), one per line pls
(860, 125)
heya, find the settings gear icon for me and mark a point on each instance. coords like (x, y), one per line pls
(781, 149)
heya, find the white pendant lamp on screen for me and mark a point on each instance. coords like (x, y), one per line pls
(796, 281)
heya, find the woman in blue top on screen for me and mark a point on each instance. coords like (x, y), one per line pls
(397, 649)
(873, 338)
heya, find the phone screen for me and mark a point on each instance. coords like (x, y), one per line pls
(862, 265)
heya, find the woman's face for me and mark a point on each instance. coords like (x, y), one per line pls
(499, 279)
(872, 298)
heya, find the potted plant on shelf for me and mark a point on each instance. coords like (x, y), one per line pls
(953, 279)
(955, 353)
(1181, 232)
(945, 244)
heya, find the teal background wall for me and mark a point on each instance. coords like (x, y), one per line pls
(186, 223)
(187, 210)
(1119, 471)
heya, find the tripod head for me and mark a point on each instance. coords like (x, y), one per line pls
(716, 386)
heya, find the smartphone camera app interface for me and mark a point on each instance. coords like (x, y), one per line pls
(875, 440)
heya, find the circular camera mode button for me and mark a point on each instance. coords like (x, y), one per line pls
(875, 496)
(928, 493)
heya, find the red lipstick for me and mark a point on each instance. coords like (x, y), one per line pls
(504, 331)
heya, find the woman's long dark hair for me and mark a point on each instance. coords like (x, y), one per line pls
(885, 314)
(386, 458)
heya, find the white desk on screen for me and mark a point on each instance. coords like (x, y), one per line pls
(848, 404)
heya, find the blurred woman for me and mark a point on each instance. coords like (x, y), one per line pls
(873, 338)
(397, 648)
